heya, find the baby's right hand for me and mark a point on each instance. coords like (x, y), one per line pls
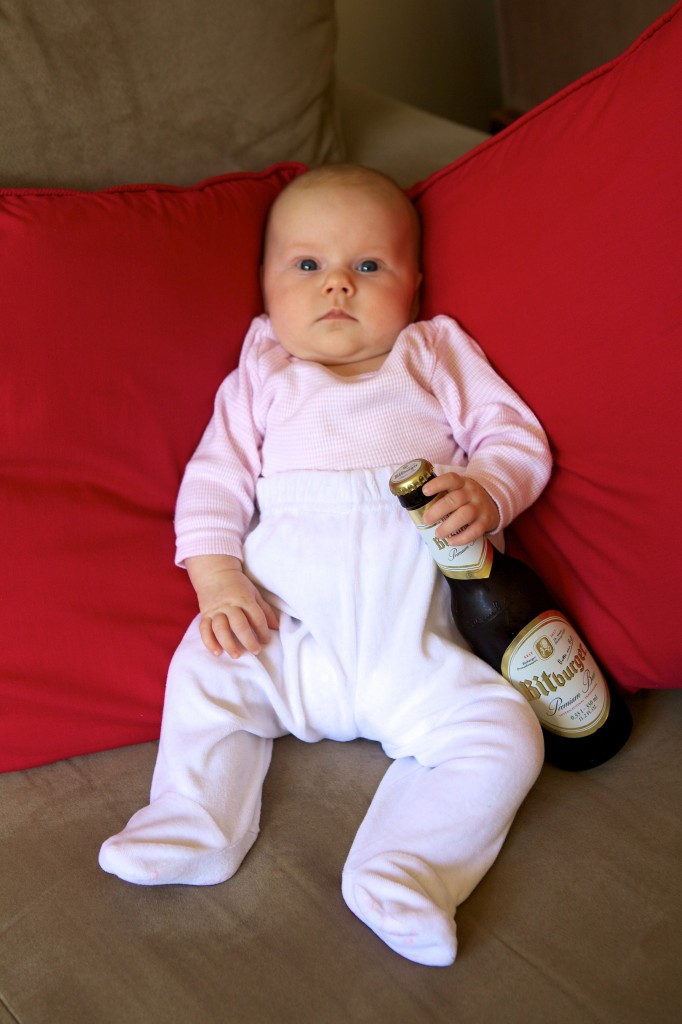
(235, 617)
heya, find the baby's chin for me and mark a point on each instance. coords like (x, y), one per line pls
(352, 368)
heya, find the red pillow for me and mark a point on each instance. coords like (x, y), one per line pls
(558, 245)
(121, 312)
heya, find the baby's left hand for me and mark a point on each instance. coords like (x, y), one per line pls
(465, 507)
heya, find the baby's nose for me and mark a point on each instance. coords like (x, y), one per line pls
(338, 281)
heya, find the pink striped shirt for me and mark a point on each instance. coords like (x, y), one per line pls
(435, 397)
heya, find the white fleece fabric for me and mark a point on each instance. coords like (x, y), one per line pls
(366, 647)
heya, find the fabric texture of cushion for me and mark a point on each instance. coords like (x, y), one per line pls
(557, 245)
(95, 94)
(122, 311)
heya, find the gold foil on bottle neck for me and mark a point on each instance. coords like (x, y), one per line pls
(410, 476)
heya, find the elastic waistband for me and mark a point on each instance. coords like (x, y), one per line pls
(320, 488)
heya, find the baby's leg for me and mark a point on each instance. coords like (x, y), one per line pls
(214, 752)
(438, 821)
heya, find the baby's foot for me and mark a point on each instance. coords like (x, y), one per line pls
(396, 906)
(173, 840)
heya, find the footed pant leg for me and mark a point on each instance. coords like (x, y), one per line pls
(214, 753)
(438, 820)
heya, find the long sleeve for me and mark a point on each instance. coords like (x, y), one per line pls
(216, 498)
(505, 446)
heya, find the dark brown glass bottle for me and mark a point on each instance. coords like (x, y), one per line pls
(508, 616)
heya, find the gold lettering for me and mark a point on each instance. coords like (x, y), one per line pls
(540, 686)
(529, 691)
(545, 684)
(549, 686)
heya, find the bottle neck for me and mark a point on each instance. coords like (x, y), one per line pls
(414, 499)
(464, 562)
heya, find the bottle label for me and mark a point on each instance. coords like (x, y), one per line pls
(472, 561)
(551, 666)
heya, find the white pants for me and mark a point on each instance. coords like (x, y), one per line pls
(366, 648)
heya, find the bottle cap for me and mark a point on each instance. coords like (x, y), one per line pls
(410, 477)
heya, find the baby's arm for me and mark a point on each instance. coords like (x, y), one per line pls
(235, 617)
(465, 507)
(508, 460)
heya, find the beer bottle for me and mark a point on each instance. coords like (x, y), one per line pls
(507, 615)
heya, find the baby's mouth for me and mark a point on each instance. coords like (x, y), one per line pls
(337, 314)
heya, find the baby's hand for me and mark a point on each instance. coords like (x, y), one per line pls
(466, 508)
(235, 617)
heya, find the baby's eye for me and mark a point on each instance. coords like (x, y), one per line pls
(368, 267)
(308, 264)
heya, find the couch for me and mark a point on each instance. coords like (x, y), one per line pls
(142, 144)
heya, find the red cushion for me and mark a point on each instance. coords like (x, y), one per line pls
(121, 312)
(558, 246)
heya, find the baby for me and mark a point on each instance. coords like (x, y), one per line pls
(313, 580)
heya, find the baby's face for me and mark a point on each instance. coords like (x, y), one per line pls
(340, 274)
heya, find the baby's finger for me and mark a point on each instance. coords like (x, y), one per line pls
(453, 525)
(248, 629)
(445, 482)
(207, 631)
(443, 508)
(466, 534)
(271, 616)
(252, 624)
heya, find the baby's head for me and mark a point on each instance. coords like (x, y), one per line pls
(341, 266)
